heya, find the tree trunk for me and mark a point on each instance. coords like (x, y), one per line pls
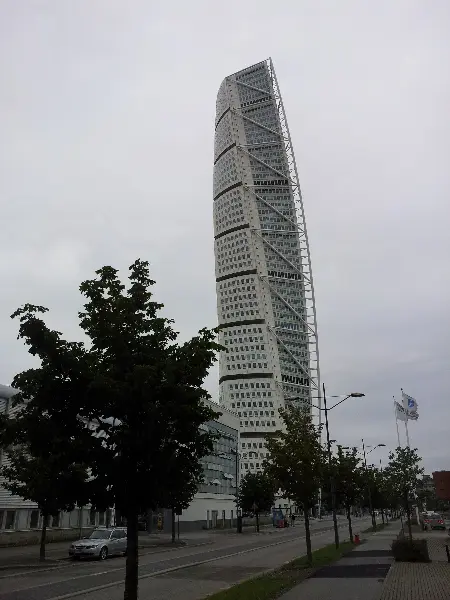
(257, 522)
(374, 521)
(408, 515)
(173, 525)
(382, 516)
(43, 538)
(80, 516)
(349, 519)
(132, 565)
(308, 537)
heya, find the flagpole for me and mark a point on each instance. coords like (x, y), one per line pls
(406, 422)
(407, 434)
(396, 423)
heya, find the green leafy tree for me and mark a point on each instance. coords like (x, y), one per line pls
(141, 389)
(256, 494)
(42, 466)
(185, 483)
(382, 495)
(402, 473)
(49, 482)
(349, 477)
(297, 462)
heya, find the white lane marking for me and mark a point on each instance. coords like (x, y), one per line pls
(177, 568)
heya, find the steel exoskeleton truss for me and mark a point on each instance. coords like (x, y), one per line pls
(309, 317)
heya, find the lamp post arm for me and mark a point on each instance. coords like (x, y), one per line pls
(340, 402)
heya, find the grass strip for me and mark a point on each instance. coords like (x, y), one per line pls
(272, 585)
(379, 527)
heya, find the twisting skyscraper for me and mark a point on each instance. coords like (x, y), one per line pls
(265, 294)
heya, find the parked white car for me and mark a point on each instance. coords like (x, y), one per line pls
(101, 544)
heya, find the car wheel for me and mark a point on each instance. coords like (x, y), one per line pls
(103, 553)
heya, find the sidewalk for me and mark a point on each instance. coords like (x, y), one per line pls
(409, 581)
(357, 576)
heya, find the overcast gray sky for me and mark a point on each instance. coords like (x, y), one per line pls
(106, 125)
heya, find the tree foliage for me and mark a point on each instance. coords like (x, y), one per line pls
(402, 474)
(297, 461)
(256, 494)
(42, 466)
(139, 388)
(349, 477)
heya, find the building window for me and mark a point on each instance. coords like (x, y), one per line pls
(10, 519)
(34, 519)
(55, 520)
(101, 518)
(92, 516)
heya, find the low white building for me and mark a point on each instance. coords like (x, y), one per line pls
(19, 514)
(213, 506)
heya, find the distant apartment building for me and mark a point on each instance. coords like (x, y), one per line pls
(442, 484)
(426, 484)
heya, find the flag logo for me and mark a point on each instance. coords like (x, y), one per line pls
(410, 405)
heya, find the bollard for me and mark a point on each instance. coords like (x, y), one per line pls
(357, 540)
(448, 552)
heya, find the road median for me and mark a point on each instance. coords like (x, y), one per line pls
(274, 583)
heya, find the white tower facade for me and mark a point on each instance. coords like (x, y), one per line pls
(265, 294)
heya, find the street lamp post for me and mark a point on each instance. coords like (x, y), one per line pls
(369, 493)
(332, 480)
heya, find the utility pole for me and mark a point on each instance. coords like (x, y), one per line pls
(374, 524)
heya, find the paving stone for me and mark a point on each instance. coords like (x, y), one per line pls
(417, 581)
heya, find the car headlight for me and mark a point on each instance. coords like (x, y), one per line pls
(91, 546)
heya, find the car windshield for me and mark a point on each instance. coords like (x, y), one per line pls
(100, 534)
(435, 516)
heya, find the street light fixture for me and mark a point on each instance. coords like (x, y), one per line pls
(332, 480)
(325, 409)
(375, 447)
(374, 524)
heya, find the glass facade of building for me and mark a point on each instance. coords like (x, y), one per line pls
(220, 467)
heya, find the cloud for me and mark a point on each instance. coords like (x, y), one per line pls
(108, 115)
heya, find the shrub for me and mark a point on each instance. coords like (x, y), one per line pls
(406, 550)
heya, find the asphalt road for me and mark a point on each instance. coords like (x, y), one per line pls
(192, 572)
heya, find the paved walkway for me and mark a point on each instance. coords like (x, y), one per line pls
(417, 581)
(358, 576)
(409, 581)
(370, 573)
